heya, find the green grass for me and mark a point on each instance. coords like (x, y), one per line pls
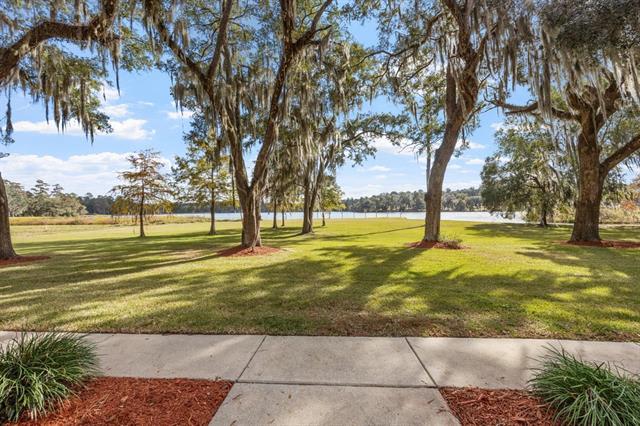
(353, 277)
(586, 393)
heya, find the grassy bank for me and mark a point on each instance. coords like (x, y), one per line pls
(102, 220)
(353, 277)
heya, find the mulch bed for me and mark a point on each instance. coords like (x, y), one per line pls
(21, 259)
(606, 244)
(129, 401)
(504, 407)
(239, 251)
(439, 245)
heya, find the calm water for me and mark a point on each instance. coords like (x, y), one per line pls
(464, 216)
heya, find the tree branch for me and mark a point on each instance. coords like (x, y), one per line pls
(532, 108)
(221, 38)
(98, 29)
(622, 153)
(152, 7)
(313, 28)
(290, 51)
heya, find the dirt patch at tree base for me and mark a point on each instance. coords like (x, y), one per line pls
(504, 407)
(129, 401)
(605, 244)
(239, 251)
(21, 259)
(445, 245)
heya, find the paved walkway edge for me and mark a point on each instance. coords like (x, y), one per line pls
(387, 362)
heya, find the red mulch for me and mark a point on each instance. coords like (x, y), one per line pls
(239, 251)
(128, 401)
(21, 259)
(606, 244)
(504, 407)
(439, 245)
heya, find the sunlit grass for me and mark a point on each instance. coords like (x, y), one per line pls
(351, 277)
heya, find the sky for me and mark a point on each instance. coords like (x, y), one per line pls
(143, 115)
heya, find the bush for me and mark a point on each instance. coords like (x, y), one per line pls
(39, 371)
(587, 393)
(451, 241)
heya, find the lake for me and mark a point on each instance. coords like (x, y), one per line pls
(463, 216)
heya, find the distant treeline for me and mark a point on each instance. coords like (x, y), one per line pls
(461, 200)
(49, 200)
(42, 200)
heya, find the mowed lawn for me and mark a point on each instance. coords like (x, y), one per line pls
(352, 277)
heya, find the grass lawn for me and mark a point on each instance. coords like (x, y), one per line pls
(353, 277)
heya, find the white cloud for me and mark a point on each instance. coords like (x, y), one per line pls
(363, 191)
(177, 115)
(474, 161)
(110, 93)
(132, 129)
(129, 129)
(118, 110)
(380, 177)
(384, 144)
(95, 173)
(146, 103)
(72, 128)
(471, 144)
(379, 169)
(474, 145)
(454, 167)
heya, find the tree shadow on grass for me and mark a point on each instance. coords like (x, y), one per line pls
(176, 283)
(547, 244)
(553, 233)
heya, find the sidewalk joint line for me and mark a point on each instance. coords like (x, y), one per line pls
(424, 367)
(332, 384)
(251, 359)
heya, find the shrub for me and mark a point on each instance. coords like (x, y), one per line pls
(39, 371)
(451, 241)
(584, 393)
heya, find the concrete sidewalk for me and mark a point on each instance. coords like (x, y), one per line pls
(340, 380)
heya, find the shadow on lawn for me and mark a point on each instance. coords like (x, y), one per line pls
(177, 284)
(548, 244)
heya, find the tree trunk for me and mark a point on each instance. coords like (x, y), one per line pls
(307, 208)
(212, 210)
(324, 223)
(6, 248)
(282, 213)
(141, 216)
(456, 116)
(433, 200)
(591, 177)
(433, 197)
(307, 219)
(233, 192)
(311, 189)
(275, 215)
(543, 216)
(251, 221)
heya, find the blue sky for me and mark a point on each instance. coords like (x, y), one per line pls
(143, 116)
